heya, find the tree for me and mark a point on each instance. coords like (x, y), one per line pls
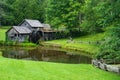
(6, 14)
(17, 10)
(99, 14)
(62, 13)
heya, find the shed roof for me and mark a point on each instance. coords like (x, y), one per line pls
(46, 26)
(34, 23)
(22, 29)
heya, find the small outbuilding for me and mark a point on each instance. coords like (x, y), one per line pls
(18, 33)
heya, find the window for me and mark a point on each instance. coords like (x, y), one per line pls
(15, 34)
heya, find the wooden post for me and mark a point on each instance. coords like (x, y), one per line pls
(16, 37)
(43, 35)
(6, 37)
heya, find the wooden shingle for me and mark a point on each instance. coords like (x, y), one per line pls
(22, 29)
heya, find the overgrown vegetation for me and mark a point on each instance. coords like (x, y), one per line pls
(110, 46)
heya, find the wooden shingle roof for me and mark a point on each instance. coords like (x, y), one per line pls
(22, 29)
(34, 23)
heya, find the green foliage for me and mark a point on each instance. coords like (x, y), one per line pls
(99, 14)
(31, 9)
(89, 15)
(62, 13)
(6, 16)
(110, 47)
(14, 11)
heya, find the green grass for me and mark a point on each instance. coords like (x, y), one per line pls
(0, 54)
(11, 69)
(3, 29)
(27, 44)
(92, 38)
(91, 49)
(2, 34)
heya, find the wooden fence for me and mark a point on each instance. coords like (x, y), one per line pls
(106, 67)
(84, 42)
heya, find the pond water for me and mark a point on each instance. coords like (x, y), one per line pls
(45, 54)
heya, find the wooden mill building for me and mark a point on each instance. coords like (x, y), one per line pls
(32, 30)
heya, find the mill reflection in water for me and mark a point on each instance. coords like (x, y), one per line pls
(43, 54)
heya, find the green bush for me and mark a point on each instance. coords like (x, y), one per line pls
(1, 42)
(110, 46)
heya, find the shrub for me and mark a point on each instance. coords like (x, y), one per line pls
(1, 43)
(110, 46)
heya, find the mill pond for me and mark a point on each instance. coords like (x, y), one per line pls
(45, 54)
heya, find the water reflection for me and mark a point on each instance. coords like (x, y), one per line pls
(45, 54)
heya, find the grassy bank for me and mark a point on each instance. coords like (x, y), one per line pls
(11, 69)
(23, 44)
(80, 43)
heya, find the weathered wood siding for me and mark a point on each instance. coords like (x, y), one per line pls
(13, 35)
(48, 36)
(22, 38)
(26, 25)
(29, 26)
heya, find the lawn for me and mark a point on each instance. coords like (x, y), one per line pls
(11, 69)
(2, 32)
